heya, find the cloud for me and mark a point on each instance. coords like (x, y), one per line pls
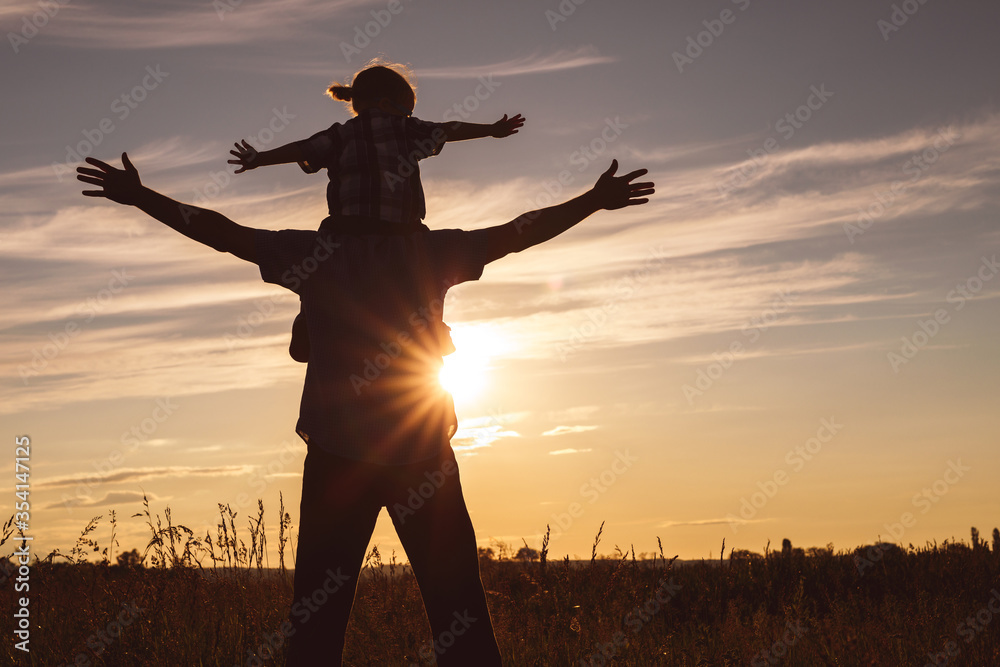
(536, 63)
(476, 437)
(711, 522)
(692, 263)
(584, 56)
(577, 412)
(559, 452)
(158, 24)
(495, 419)
(695, 262)
(112, 498)
(137, 474)
(563, 430)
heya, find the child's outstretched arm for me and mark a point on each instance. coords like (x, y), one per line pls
(249, 158)
(203, 225)
(609, 193)
(459, 131)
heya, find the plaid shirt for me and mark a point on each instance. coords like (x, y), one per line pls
(371, 391)
(372, 161)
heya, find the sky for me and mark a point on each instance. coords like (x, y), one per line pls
(795, 338)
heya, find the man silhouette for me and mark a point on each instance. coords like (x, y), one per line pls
(376, 422)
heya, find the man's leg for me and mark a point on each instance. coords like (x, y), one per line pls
(338, 513)
(440, 542)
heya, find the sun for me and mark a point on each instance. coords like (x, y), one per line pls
(465, 374)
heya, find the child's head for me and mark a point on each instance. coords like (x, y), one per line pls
(380, 84)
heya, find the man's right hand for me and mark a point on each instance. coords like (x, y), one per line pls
(613, 192)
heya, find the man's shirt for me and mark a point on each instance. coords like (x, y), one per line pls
(373, 308)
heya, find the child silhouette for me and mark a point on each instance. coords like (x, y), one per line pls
(372, 161)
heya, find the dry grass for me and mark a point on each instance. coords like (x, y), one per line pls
(215, 600)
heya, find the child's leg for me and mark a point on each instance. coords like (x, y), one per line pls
(441, 544)
(299, 347)
(340, 505)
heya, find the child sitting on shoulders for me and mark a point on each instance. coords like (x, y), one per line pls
(372, 161)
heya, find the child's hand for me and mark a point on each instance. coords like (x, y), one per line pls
(506, 126)
(614, 192)
(118, 185)
(246, 156)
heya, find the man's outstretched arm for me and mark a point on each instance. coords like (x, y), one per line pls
(529, 229)
(201, 224)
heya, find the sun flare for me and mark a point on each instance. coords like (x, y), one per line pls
(465, 373)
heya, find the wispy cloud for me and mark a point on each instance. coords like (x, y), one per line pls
(710, 522)
(564, 430)
(560, 452)
(576, 412)
(693, 262)
(535, 63)
(585, 56)
(157, 24)
(478, 435)
(112, 498)
(138, 474)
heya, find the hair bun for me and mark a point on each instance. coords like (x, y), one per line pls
(338, 92)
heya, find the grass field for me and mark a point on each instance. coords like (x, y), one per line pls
(192, 600)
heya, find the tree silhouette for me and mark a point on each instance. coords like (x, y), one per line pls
(526, 554)
(130, 559)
